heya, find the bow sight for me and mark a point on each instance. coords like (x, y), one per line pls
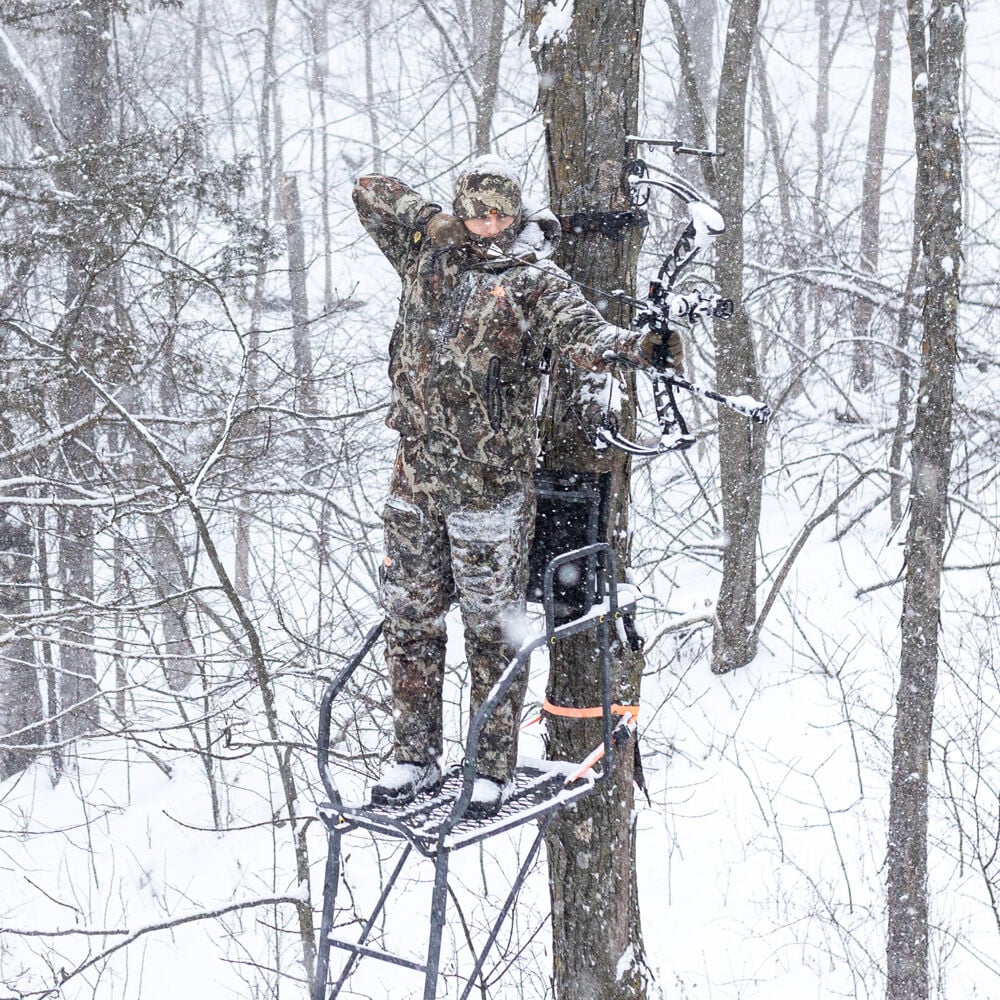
(666, 309)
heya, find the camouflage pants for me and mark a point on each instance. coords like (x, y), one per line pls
(454, 528)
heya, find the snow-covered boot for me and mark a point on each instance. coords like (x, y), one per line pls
(488, 797)
(404, 781)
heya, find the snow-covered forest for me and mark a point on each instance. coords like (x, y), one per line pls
(193, 344)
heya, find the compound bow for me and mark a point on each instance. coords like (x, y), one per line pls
(666, 309)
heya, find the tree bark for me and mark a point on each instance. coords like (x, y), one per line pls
(871, 194)
(21, 725)
(588, 94)
(85, 113)
(741, 443)
(936, 54)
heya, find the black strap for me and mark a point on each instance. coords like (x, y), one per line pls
(613, 225)
(635, 641)
(638, 774)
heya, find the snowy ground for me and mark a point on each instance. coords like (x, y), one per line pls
(760, 858)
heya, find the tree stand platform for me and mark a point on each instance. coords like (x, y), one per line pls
(435, 824)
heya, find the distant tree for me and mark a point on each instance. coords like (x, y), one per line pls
(21, 730)
(487, 18)
(871, 193)
(741, 444)
(477, 62)
(85, 333)
(21, 708)
(937, 45)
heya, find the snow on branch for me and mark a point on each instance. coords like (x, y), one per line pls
(28, 97)
(131, 936)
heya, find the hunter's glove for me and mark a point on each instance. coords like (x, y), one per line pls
(660, 354)
(446, 230)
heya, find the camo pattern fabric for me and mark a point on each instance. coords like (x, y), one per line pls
(477, 195)
(466, 353)
(459, 529)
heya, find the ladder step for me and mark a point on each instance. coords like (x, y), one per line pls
(383, 956)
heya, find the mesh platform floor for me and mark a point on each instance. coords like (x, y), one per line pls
(537, 791)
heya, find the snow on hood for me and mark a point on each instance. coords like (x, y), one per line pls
(491, 166)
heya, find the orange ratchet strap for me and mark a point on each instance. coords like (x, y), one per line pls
(588, 713)
(632, 711)
(582, 713)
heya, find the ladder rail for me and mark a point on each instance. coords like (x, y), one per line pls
(326, 710)
(604, 555)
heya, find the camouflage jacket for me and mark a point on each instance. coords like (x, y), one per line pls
(467, 352)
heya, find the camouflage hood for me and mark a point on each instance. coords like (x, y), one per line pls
(487, 184)
(539, 235)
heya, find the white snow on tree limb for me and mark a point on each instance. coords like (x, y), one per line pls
(558, 19)
(28, 95)
(624, 964)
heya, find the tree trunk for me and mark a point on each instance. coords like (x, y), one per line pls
(319, 33)
(305, 394)
(166, 560)
(871, 194)
(378, 158)
(699, 20)
(30, 104)
(21, 714)
(487, 44)
(936, 67)
(270, 153)
(741, 443)
(588, 94)
(791, 252)
(86, 120)
(821, 123)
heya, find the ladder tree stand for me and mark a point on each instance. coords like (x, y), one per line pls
(434, 824)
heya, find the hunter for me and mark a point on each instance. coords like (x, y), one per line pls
(481, 310)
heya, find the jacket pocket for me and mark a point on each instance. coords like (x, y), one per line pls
(494, 396)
